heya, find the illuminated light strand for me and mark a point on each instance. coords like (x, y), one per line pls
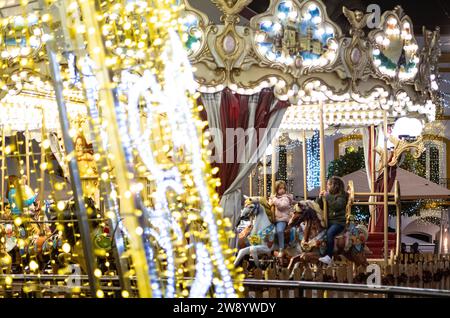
(313, 149)
(122, 122)
(204, 273)
(169, 179)
(91, 88)
(182, 107)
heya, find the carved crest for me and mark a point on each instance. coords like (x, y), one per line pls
(296, 35)
(394, 48)
(230, 7)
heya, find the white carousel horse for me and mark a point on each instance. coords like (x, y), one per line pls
(262, 234)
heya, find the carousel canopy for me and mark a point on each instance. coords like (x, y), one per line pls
(295, 48)
(412, 187)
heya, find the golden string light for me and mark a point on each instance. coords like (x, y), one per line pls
(117, 45)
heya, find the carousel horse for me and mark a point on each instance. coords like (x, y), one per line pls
(26, 241)
(101, 240)
(350, 244)
(258, 237)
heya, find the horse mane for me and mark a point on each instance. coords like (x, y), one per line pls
(312, 210)
(264, 203)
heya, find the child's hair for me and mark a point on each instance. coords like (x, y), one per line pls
(336, 186)
(279, 184)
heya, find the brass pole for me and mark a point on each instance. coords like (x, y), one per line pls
(265, 175)
(305, 175)
(273, 164)
(42, 166)
(97, 53)
(3, 167)
(398, 226)
(250, 184)
(323, 181)
(27, 154)
(385, 179)
(441, 234)
(372, 177)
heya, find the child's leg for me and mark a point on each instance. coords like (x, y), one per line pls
(280, 227)
(332, 232)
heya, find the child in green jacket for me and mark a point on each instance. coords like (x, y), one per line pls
(337, 199)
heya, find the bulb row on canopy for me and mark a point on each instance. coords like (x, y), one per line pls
(24, 111)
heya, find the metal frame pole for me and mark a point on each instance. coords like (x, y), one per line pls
(305, 172)
(273, 164)
(27, 154)
(3, 168)
(372, 178)
(250, 184)
(82, 217)
(127, 204)
(265, 175)
(385, 195)
(323, 173)
(74, 173)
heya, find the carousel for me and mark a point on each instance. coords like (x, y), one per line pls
(129, 128)
(293, 72)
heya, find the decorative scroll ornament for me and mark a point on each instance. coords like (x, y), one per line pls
(299, 36)
(14, 43)
(400, 146)
(394, 48)
(356, 50)
(194, 24)
(21, 43)
(427, 79)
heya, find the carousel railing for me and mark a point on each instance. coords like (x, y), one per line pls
(38, 286)
(300, 289)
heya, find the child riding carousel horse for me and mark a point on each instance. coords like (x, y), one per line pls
(336, 198)
(282, 202)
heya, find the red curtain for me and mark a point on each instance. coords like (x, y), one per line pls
(234, 113)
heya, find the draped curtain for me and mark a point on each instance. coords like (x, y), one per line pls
(259, 117)
(377, 212)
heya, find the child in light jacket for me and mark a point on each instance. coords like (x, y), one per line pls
(283, 203)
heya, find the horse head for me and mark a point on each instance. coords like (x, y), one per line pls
(309, 213)
(251, 208)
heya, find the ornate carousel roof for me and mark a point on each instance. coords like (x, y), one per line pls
(27, 96)
(298, 50)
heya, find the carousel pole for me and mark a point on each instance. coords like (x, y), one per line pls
(42, 166)
(385, 190)
(372, 178)
(441, 233)
(73, 166)
(3, 169)
(323, 181)
(273, 164)
(250, 184)
(305, 176)
(27, 153)
(265, 175)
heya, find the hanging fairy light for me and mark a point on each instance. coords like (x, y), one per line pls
(149, 64)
